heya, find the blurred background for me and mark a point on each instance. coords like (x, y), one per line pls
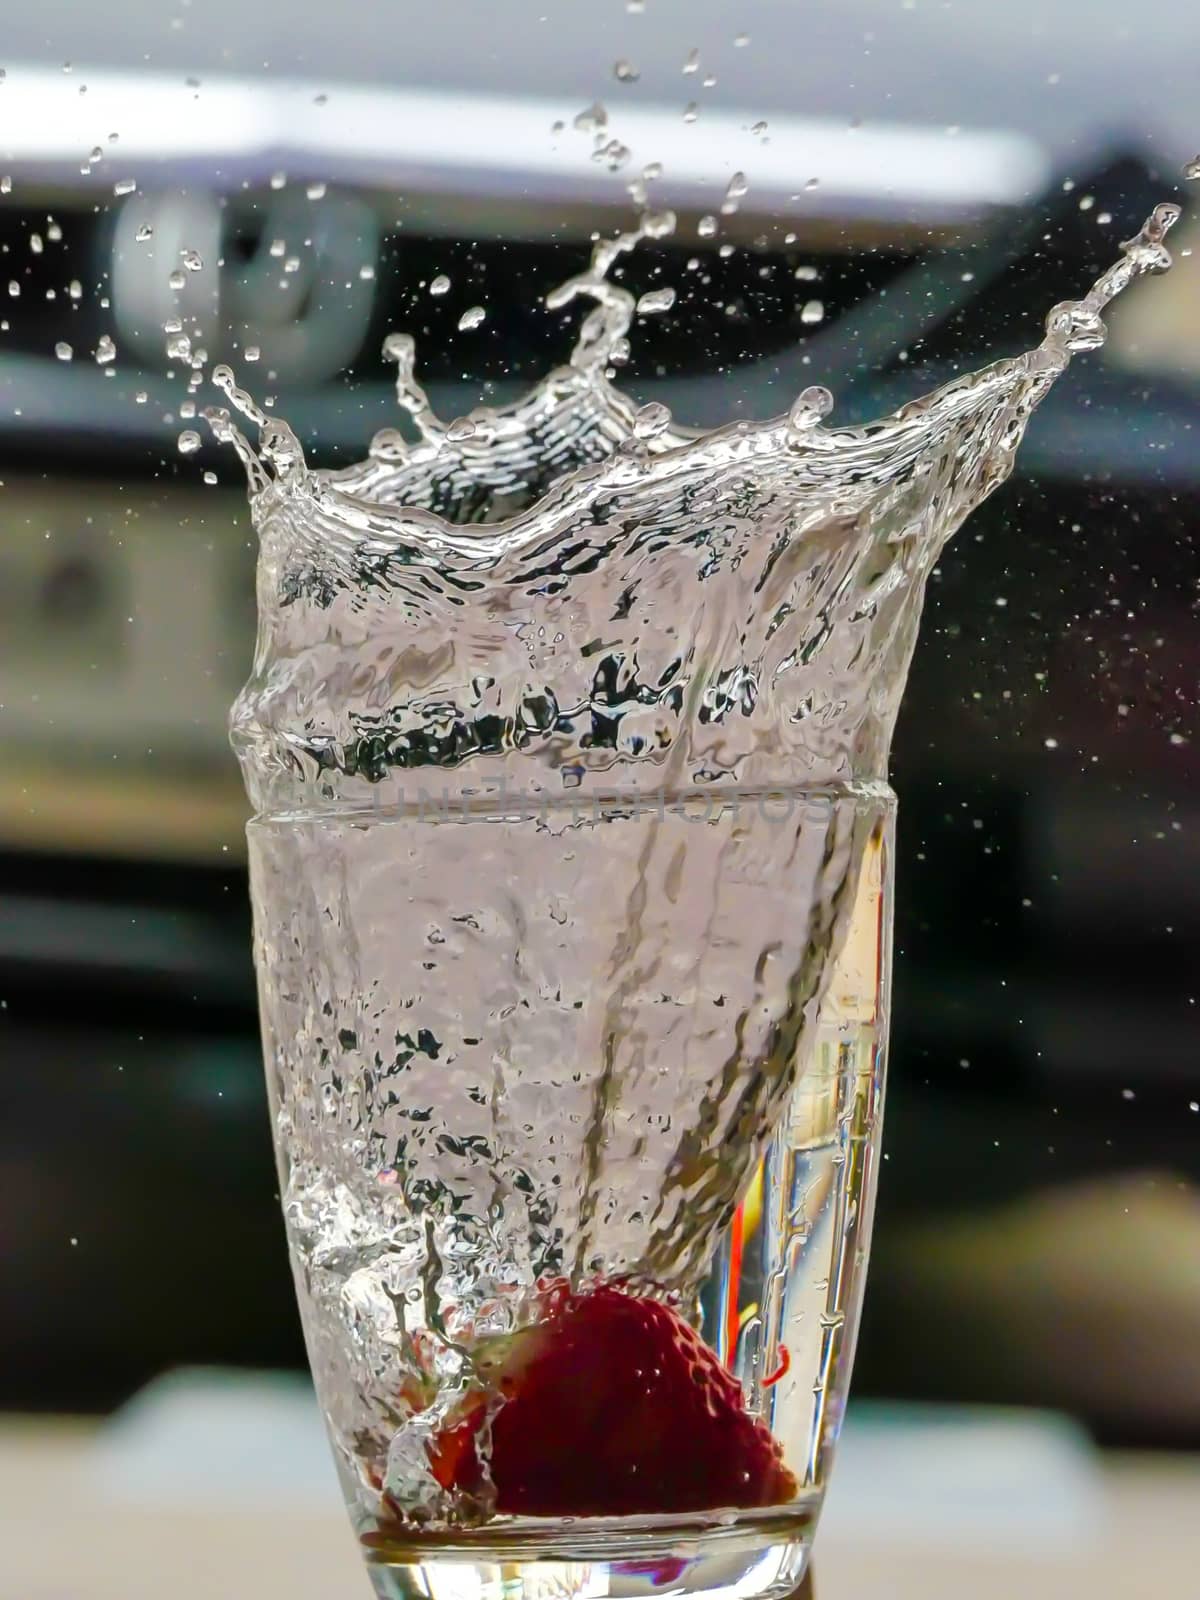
(924, 182)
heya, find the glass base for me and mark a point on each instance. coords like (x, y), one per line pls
(604, 1559)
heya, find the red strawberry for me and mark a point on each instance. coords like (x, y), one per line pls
(612, 1406)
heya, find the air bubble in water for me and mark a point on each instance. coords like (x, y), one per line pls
(106, 350)
(625, 71)
(63, 350)
(655, 300)
(471, 318)
(651, 420)
(189, 442)
(125, 186)
(440, 285)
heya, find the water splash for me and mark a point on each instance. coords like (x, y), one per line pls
(796, 550)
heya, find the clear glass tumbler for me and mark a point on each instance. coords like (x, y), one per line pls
(555, 1085)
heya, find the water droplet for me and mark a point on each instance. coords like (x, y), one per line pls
(35, 243)
(810, 407)
(812, 311)
(75, 289)
(278, 180)
(652, 170)
(210, 478)
(189, 442)
(172, 325)
(14, 288)
(591, 119)
(709, 81)
(692, 63)
(806, 274)
(179, 347)
(277, 247)
(316, 191)
(651, 420)
(707, 227)
(758, 129)
(461, 428)
(625, 71)
(106, 350)
(655, 300)
(252, 352)
(144, 232)
(471, 318)
(635, 7)
(5, 184)
(140, 398)
(176, 279)
(63, 350)
(1086, 202)
(812, 183)
(53, 233)
(691, 111)
(124, 186)
(740, 41)
(192, 261)
(440, 285)
(366, 272)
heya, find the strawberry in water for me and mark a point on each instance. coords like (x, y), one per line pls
(610, 1406)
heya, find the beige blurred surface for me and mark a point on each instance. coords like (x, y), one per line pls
(59, 1542)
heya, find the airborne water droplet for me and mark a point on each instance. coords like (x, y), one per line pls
(192, 261)
(707, 227)
(691, 111)
(471, 318)
(655, 300)
(1191, 169)
(252, 352)
(63, 350)
(692, 64)
(625, 71)
(189, 442)
(316, 191)
(5, 184)
(106, 350)
(651, 420)
(145, 231)
(461, 428)
(125, 186)
(176, 279)
(440, 285)
(813, 311)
